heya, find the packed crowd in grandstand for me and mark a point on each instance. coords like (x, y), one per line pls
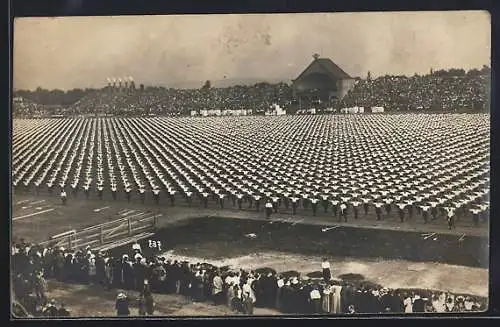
(288, 292)
(428, 92)
(435, 92)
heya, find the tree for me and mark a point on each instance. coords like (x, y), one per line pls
(485, 70)
(474, 72)
(207, 85)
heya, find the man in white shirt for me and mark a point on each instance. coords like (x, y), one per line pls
(221, 200)
(366, 203)
(99, 191)
(410, 208)
(189, 196)
(275, 200)
(315, 297)
(239, 199)
(355, 206)
(475, 216)
(388, 203)
(74, 188)
(204, 198)
(314, 205)
(63, 197)
(269, 209)
(113, 191)
(434, 212)
(86, 190)
(401, 209)
(142, 195)
(450, 217)
(335, 204)
(378, 209)
(425, 212)
(324, 197)
(343, 211)
(257, 199)
(286, 200)
(156, 195)
(128, 193)
(294, 204)
(136, 247)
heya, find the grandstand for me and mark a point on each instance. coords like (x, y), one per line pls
(441, 91)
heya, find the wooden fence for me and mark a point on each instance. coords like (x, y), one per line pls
(116, 231)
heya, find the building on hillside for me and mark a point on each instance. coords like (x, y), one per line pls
(377, 110)
(275, 110)
(323, 80)
(234, 112)
(218, 112)
(353, 110)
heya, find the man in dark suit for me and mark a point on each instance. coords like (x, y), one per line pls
(62, 312)
(122, 305)
(418, 304)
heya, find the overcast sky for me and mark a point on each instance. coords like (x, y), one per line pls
(74, 52)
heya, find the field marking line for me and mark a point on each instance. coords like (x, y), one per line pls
(429, 236)
(32, 214)
(296, 222)
(37, 202)
(23, 208)
(122, 211)
(329, 228)
(22, 201)
(100, 209)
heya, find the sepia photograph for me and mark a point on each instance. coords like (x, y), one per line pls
(311, 164)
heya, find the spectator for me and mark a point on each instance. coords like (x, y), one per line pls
(237, 290)
(51, 310)
(122, 305)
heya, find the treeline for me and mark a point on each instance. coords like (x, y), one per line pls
(485, 70)
(53, 97)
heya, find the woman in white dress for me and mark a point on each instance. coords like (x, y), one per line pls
(408, 303)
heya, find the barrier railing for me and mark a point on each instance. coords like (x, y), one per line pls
(106, 233)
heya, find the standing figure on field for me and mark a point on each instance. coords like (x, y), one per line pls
(63, 197)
